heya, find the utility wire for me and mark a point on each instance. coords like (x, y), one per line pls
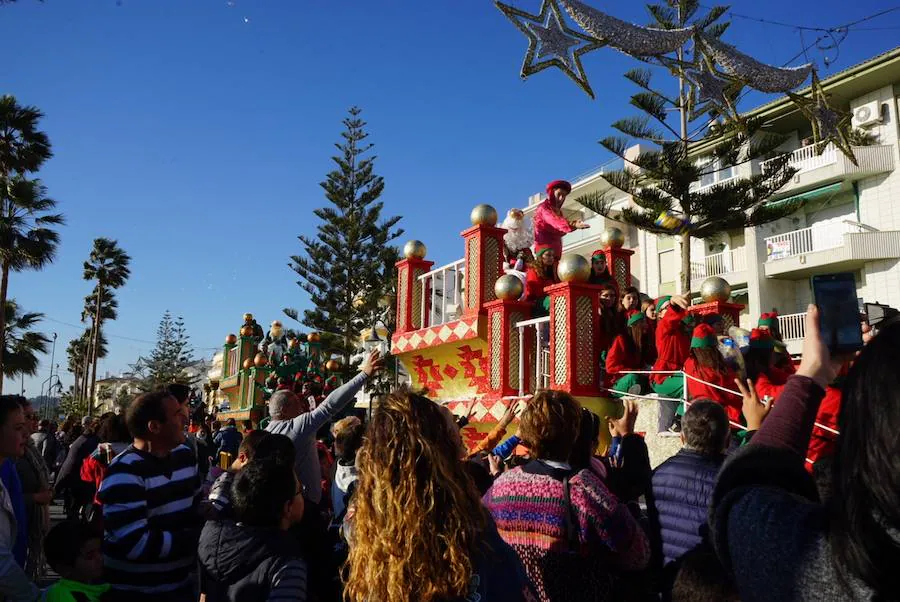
(113, 336)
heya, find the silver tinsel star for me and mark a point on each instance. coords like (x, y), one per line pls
(550, 39)
(709, 87)
(829, 125)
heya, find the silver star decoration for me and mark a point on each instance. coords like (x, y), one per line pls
(709, 87)
(548, 36)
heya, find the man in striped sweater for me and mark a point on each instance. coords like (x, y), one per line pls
(150, 495)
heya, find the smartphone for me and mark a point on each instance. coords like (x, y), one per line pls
(839, 321)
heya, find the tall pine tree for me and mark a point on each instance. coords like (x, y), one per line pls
(345, 261)
(664, 179)
(170, 359)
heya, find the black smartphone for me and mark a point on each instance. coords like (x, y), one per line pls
(839, 321)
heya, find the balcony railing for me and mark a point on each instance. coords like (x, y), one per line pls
(792, 326)
(805, 158)
(442, 292)
(809, 240)
(733, 260)
(541, 355)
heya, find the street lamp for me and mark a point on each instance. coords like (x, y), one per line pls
(370, 344)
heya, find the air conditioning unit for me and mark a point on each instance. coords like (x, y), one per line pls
(867, 115)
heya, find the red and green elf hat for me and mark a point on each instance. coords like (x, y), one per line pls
(598, 253)
(761, 339)
(662, 301)
(540, 250)
(704, 337)
(634, 317)
(768, 320)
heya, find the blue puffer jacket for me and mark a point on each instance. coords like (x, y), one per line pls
(682, 490)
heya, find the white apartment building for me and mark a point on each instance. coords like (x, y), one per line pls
(849, 221)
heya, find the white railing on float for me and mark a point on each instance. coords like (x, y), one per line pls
(232, 361)
(792, 326)
(733, 260)
(541, 355)
(806, 158)
(818, 237)
(442, 294)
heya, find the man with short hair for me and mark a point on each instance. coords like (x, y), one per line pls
(228, 439)
(682, 486)
(255, 558)
(150, 495)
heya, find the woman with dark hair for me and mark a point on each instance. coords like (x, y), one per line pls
(417, 528)
(571, 532)
(612, 320)
(706, 364)
(627, 353)
(759, 362)
(631, 299)
(540, 273)
(600, 270)
(767, 523)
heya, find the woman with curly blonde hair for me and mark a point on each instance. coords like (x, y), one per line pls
(418, 531)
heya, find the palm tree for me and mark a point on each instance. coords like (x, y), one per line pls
(22, 345)
(26, 238)
(108, 265)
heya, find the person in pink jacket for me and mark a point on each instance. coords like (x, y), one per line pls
(550, 225)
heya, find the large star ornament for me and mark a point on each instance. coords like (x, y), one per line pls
(549, 39)
(828, 125)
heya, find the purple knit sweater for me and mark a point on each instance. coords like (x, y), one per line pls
(528, 505)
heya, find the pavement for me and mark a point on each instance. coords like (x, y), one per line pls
(57, 514)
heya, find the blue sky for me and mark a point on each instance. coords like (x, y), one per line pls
(196, 132)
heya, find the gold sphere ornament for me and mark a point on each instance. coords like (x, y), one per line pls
(248, 317)
(260, 360)
(248, 363)
(359, 302)
(612, 238)
(483, 214)
(247, 331)
(508, 287)
(414, 249)
(332, 365)
(573, 268)
(715, 289)
(231, 339)
(314, 337)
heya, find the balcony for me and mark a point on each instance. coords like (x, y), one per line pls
(732, 262)
(442, 288)
(833, 166)
(793, 329)
(831, 247)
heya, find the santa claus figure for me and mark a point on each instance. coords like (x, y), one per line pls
(519, 236)
(275, 345)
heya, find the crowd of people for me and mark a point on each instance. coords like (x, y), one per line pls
(320, 507)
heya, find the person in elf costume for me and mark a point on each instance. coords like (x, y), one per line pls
(673, 346)
(782, 361)
(600, 271)
(707, 364)
(760, 358)
(550, 225)
(627, 353)
(540, 274)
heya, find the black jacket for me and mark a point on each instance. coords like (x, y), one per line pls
(240, 563)
(70, 471)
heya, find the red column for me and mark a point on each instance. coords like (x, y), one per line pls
(505, 348)
(619, 262)
(410, 295)
(730, 312)
(484, 264)
(574, 338)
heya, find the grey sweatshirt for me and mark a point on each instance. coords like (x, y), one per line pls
(302, 431)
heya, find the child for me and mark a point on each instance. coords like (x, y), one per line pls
(73, 551)
(218, 506)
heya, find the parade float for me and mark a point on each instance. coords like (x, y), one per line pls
(464, 336)
(254, 364)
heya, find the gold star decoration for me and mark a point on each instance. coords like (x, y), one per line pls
(829, 125)
(548, 36)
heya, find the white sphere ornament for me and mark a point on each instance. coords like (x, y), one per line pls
(613, 238)
(715, 289)
(414, 249)
(483, 214)
(508, 287)
(573, 268)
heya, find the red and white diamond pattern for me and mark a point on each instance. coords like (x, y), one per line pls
(459, 330)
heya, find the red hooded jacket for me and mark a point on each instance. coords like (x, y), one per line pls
(618, 358)
(673, 344)
(823, 443)
(696, 390)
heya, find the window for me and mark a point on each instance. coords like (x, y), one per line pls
(713, 171)
(667, 270)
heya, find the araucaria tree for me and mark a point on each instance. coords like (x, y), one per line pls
(108, 266)
(667, 179)
(342, 267)
(27, 218)
(170, 359)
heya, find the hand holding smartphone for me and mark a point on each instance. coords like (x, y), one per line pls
(839, 323)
